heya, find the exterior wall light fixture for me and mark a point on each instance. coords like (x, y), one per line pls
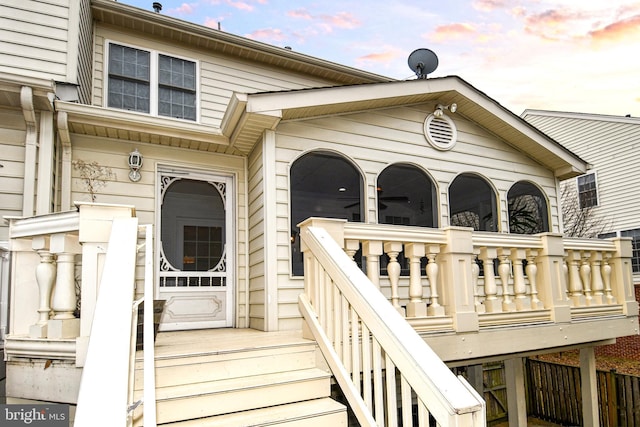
(135, 163)
(439, 111)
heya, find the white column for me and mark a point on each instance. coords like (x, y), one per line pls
(589, 385)
(393, 270)
(372, 250)
(516, 393)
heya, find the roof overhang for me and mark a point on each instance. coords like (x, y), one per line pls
(113, 13)
(42, 91)
(126, 125)
(248, 115)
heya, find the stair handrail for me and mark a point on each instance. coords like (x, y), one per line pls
(345, 311)
(148, 400)
(107, 362)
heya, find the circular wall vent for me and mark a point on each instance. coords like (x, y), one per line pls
(440, 132)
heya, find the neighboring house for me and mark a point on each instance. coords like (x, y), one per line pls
(273, 181)
(610, 144)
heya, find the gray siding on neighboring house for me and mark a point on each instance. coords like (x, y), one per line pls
(34, 38)
(12, 136)
(376, 139)
(611, 145)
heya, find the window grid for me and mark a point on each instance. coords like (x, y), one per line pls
(587, 192)
(129, 82)
(149, 82)
(635, 256)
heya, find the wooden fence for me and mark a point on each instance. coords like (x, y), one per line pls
(553, 394)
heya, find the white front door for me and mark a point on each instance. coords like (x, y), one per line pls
(196, 249)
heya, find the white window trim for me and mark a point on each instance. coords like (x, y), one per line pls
(595, 175)
(153, 80)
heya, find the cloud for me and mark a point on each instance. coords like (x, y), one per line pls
(557, 24)
(267, 35)
(618, 30)
(183, 9)
(452, 31)
(211, 22)
(341, 20)
(489, 5)
(378, 57)
(240, 5)
(299, 13)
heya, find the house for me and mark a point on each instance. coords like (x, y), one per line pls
(608, 143)
(306, 223)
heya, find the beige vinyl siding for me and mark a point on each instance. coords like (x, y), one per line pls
(257, 279)
(142, 195)
(376, 139)
(611, 147)
(85, 52)
(12, 138)
(220, 76)
(33, 38)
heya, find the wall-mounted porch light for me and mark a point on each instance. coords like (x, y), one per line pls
(135, 163)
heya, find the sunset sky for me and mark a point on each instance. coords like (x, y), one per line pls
(565, 55)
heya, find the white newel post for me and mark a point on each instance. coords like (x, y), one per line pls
(622, 276)
(45, 277)
(455, 268)
(551, 278)
(64, 324)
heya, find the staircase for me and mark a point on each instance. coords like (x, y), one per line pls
(239, 377)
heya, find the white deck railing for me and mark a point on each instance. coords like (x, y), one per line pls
(384, 368)
(461, 280)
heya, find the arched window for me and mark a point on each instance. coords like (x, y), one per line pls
(472, 203)
(323, 184)
(528, 212)
(406, 196)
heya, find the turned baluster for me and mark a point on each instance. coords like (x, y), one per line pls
(372, 251)
(585, 275)
(351, 247)
(522, 300)
(504, 270)
(392, 249)
(475, 275)
(63, 302)
(416, 307)
(432, 270)
(575, 283)
(606, 277)
(45, 278)
(491, 301)
(597, 286)
(532, 270)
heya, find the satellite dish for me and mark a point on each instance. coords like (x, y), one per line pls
(423, 62)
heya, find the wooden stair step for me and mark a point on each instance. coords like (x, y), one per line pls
(309, 413)
(204, 399)
(211, 367)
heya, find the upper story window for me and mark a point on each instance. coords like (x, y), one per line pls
(150, 82)
(635, 244)
(587, 190)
